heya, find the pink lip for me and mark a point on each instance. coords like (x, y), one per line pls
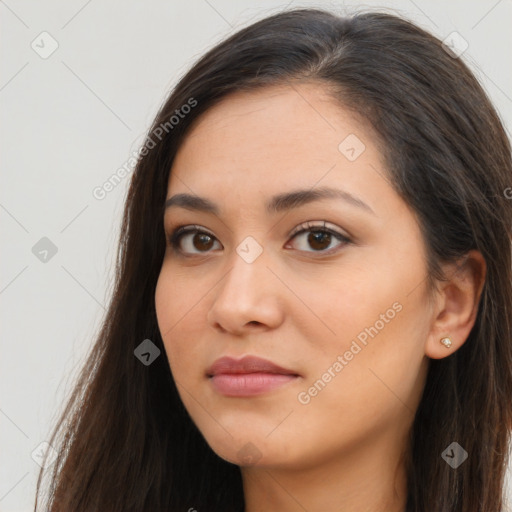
(248, 376)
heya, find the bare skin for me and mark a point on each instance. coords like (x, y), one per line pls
(303, 303)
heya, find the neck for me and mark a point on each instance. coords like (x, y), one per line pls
(366, 479)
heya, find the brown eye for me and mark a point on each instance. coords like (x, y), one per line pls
(202, 241)
(191, 241)
(319, 238)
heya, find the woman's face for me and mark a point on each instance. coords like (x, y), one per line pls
(331, 287)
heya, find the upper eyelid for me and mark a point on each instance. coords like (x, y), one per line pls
(188, 228)
(304, 227)
(309, 225)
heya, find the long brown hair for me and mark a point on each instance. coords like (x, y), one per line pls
(125, 441)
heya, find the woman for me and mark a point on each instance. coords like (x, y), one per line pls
(314, 292)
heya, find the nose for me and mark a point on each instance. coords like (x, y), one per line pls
(248, 297)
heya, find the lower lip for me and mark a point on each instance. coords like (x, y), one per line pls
(249, 384)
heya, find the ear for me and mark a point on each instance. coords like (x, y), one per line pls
(456, 304)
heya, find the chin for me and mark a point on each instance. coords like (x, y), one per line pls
(250, 449)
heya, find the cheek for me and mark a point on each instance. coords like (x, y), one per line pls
(377, 388)
(345, 305)
(177, 298)
(378, 326)
(174, 313)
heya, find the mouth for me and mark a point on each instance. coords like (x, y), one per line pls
(249, 376)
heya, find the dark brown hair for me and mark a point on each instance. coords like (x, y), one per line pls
(125, 440)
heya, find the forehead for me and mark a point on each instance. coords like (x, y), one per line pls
(274, 139)
(273, 117)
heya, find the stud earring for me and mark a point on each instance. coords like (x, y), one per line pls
(447, 342)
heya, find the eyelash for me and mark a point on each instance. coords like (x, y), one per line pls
(175, 237)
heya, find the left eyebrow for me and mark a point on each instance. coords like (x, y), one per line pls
(276, 204)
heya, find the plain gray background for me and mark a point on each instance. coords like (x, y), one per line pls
(69, 121)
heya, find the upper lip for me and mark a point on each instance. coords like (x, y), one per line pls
(248, 364)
